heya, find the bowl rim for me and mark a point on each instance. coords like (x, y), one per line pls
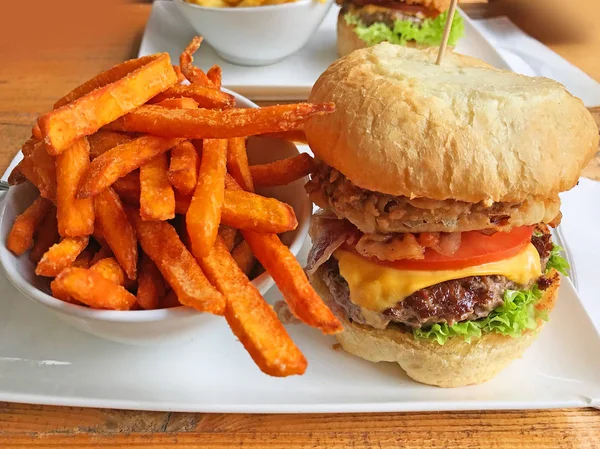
(137, 316)
(282, 6)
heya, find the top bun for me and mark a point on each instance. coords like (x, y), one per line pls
(463, 130)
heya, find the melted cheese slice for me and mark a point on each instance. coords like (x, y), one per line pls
(377, 288)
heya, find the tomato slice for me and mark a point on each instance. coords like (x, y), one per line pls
(475, 249)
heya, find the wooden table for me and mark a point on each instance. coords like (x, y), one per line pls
(47, 48)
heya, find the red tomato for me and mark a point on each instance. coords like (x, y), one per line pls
(475, 249)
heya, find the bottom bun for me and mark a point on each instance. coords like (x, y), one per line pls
(454, 364)
(348, 40)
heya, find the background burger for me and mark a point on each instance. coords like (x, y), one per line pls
(414, 23)
(438, 184)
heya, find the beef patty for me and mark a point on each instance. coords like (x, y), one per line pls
(449, 302)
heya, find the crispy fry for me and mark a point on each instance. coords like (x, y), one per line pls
(110, 269)
(289, 276)
(294, 135)
(75, 216)
(93, 289)
(102, 79)
(60, 256)
(251, 319)
(182, 203)
(103, 253)
(102, 141)
(36, 132)
(161, 243)
(213, 124)
(215, 75)
(169, 300)
(186, 63)
(180, 76)
(283, 172)
(157, 199)
(151, 285)
(128, 188)
(183, 168)
(27, 169)
(204, 214)
(243, 256)
(20, 237)
(43, 167)
(115, 163)
(245, 210)
(237, 163)
(179, 103)
(86, 115)
(46, 236)
(229, 236)
(16, 175)
(117, 230)
(206, 97)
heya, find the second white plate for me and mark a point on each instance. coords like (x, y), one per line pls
(290, 79)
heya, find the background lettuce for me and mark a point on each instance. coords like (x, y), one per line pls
(428, 33)
(512, 318)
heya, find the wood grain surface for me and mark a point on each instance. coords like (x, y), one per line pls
(46, 48)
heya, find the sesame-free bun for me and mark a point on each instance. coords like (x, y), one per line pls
(454, 364)
(462, 130)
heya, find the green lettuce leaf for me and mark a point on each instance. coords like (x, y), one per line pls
(427, 33)
(512, 318)
(557, 262)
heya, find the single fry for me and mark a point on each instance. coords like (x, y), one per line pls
(110, 269)
(284, 171)
(61, 256)
(214, 124)
(75, 216)
(93, 289)
(16, 175)
(179, 103)
(215, 75)
(237, 163)
(44, 167)
(115, 163)
(182, 203)
(243, 256)
(186, 62)
(20, 237)
(157, 199)
(117, 230)
(151, 285)
(183, 168)
(289, 276)
(229, 236)
(160, 242)
(102, 141)
(204, 214)
(180, 77)
(128, 188)
(245, 210)
(251, 319)
(206, 97)
(86, 115)
(46, 236)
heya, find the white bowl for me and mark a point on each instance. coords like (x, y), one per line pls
(148, 327)
(256, 36)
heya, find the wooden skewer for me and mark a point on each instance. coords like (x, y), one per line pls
(447, 29)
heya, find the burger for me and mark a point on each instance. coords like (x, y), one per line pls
(413, 23)
(437, 186)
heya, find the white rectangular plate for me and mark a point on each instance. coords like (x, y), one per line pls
(44, 361)
(290, 79)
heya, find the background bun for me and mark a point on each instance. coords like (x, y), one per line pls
(454, 364)
(463, 130)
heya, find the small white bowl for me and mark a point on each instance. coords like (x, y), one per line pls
(148, 327)
(256, 36)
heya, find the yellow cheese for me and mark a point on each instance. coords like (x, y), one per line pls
(376, 287)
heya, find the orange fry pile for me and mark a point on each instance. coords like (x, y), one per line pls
(147, 201)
